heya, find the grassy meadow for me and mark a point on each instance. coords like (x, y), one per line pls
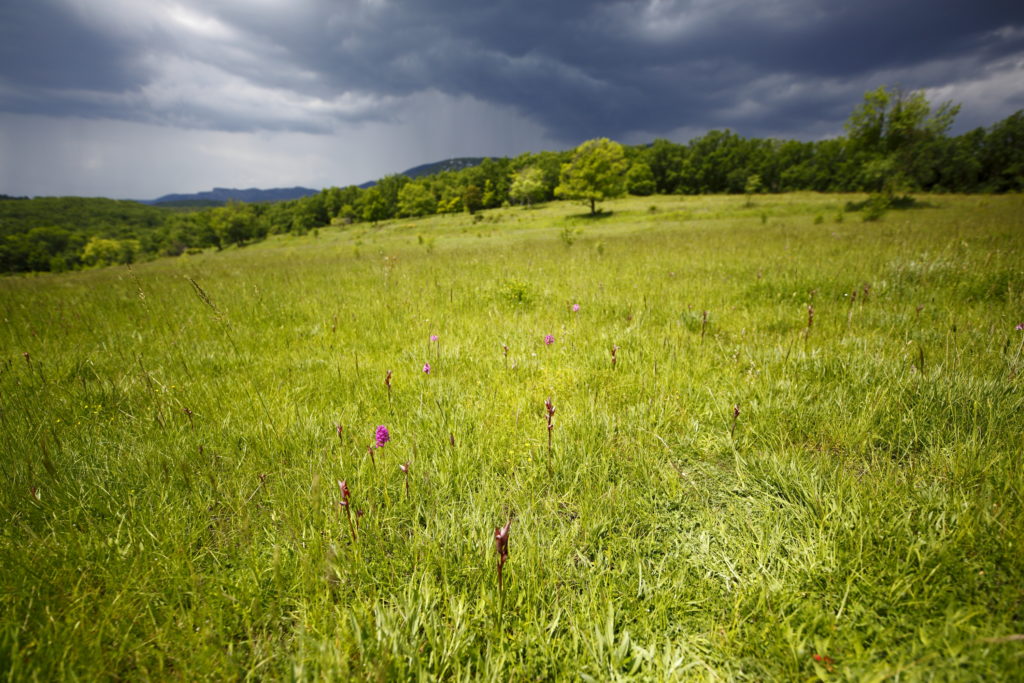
(172, 435)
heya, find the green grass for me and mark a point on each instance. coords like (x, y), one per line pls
(865, 507)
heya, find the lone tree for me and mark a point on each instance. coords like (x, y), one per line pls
(596, 172)
(893, 128)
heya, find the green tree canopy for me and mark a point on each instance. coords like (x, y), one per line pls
(527, 185)
(416, 199)
(235, 223)
(640, 179)
(893, 129)
(596, 171)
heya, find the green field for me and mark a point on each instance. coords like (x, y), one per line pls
(170, 453)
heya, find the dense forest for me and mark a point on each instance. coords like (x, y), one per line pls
(895, 144)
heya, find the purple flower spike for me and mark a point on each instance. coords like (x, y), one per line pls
(575, 308)
(549, 339)
(426, 368)
(382, 436)
(433, 337)
(1020, 326)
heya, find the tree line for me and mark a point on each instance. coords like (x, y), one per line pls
(895, 143)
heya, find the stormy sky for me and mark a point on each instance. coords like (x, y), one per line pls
(138, 98)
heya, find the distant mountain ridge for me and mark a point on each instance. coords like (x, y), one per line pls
(222, 195)
(454, 164)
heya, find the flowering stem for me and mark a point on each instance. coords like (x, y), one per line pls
(405, 470)
(351, 526)
(501, 546)
(345, 504)
(551, 414)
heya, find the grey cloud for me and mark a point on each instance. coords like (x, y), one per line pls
(578, 68)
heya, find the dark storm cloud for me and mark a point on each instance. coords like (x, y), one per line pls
(579, 69)
(45, 46)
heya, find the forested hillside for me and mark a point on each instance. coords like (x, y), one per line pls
(895, 144)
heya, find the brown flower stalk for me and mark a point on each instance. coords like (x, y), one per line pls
(405, 470)
(345, 495)
(551, 415)
(501, 546)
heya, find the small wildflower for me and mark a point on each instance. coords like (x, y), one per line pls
(825, 661)
(434, 337)
(501, 541)
(382, 436)
(550, 407)
(344, 504)
(339, 429)
(575, 308)
(426, 368)
(1020, 326)
(501, 546)
(405, 470)
(549, 339)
